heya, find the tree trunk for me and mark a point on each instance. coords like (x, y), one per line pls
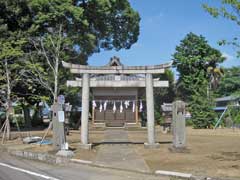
(27, 118)
(9, 103)
(55, 84)
(37, 118)
(56, 68)
(8, 125)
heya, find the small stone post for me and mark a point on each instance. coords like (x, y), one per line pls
(85, 112)
(179, 126)
(58, 127)
(150, 113)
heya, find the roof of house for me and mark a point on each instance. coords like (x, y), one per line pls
(226, 98)
(166, 107)
(219, 108)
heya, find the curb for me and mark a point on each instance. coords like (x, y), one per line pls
(184, 175)
(44, 157)
(174, 174)
(81, 161)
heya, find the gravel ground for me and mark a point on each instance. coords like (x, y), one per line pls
(214, 153)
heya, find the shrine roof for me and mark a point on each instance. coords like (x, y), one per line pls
(115, 66)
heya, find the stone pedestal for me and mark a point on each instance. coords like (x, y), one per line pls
(132, 125)
(151, 146)
(65, 153)
(85, 146)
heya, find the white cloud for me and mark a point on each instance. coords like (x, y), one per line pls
(155, 18)
(227, 56)
(231, 60)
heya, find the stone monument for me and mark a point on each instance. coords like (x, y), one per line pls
(59, 137)
(58, 126)
(178, 127)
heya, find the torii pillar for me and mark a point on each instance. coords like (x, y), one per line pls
(85, 112)
(150, 113)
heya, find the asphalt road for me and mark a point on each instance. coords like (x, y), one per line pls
(12, 168)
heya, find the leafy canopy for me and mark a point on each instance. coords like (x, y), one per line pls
(194, 56)
(164, 95)
(229, 9)
(230, 83)
(90, 25)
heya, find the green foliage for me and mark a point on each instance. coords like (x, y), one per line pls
(230, 83)
(201, 108)
(11, 48)
(189, 122)
(193, 59)
(194, 53)
(230, 86)
(229, 9)
(234, 113)
(15, 21)
(192, 56)
(88, 27)
(163, 95)
(10, 66)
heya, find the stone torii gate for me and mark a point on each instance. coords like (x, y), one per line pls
(86, 83)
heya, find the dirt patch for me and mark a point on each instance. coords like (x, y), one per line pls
(84, 154)
(73, 139)
(212, 153)
(226, 156)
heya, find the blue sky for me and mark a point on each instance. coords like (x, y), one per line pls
(164, 23)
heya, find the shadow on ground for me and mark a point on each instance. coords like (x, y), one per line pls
(125, 142)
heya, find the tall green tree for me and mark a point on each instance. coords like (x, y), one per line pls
(90, 25)
(9, 76)
(193, 57)
(73, 31)
(13, 25)
(86, 27)
(229, 9)
(15, 22)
